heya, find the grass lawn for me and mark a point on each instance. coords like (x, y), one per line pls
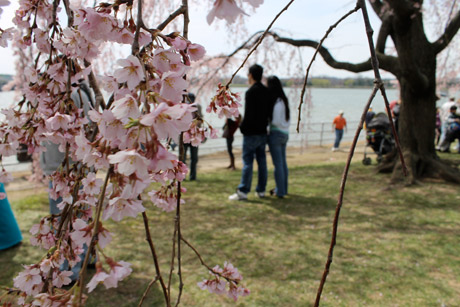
(395, 247)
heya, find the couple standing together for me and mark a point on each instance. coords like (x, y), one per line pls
(265, 106)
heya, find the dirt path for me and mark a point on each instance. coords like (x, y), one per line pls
(296, 156)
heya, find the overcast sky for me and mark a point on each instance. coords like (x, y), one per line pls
(304, 19)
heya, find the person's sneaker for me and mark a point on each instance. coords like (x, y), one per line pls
(238, 196)
(260, 194)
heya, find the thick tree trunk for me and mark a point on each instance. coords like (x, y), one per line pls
(417, 60)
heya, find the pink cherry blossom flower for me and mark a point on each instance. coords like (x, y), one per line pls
(61, 278)
(59, 121)
(196, 52)
(127, 204)
(173, 86)
(163, 59)
(82, 232)
(166, 197)
(103, 236)
(216, 286)
(9, 149)
(118, 270)
(30, 281)
(131, 71)
(126, 107)
(224, 9)
(5, 36)
(129, 162)
(178, 43)
(98, 278)
(254, 3)
(5, 177)
(91, 184)
(225, 103)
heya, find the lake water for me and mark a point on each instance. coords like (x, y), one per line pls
(316, 121)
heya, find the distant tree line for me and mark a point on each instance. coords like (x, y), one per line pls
(327, 82)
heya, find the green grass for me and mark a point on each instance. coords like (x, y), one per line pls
(395, 247)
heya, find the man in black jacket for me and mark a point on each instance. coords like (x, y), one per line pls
(254, 130)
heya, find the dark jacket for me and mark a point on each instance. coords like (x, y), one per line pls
(256, 110)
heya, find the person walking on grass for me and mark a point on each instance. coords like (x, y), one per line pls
(230, 128)
(187, 146)
(339, 124)
(254, 130)
(279, 135)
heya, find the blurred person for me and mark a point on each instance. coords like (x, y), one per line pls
(339, 124)
(254, 130)
(229, 129)
(187, 146)
(452, 130)
(10, 234)
(279, 135)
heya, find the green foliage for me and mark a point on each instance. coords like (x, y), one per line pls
(395, 246)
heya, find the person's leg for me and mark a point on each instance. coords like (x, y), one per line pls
(248, 160)
(275, 152)
(230, 152)
(337, 139)
(339, 135)
(193, 162)
(445, 144)
(284, 165)
(443, 134)
(261, 164)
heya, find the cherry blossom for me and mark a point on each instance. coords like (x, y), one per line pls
(124, 136)
(131, 71)
(224, 9)
(225, 103)
(62, 278)
(30, 281)
(129, 162)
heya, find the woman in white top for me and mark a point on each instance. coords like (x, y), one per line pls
(279, 135)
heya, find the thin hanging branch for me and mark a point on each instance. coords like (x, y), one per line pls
(158, 276)
(81, 280)
(313, 59)
(378, 85)
(144, 296)
(179, 188)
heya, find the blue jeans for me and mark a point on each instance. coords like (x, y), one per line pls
(338, 137)
(277, 142)
(254, 147)
(193, 159)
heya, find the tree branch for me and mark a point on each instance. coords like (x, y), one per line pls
(377, 6)
(388, 63)
(451, 30)
(171, 17)
(159, 277)
(314, 57)
(384, 32)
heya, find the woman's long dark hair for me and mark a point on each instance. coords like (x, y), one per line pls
(276, 91)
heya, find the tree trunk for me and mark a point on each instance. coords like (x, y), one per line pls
(417, 119)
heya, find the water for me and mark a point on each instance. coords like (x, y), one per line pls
(316, 125)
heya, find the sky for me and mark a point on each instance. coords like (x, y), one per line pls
(304, 19)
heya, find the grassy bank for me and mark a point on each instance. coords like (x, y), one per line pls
(396, 247)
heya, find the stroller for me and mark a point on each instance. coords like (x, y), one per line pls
(378, 137)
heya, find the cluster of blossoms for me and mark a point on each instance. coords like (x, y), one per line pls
(225, 281)
(124, 139)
